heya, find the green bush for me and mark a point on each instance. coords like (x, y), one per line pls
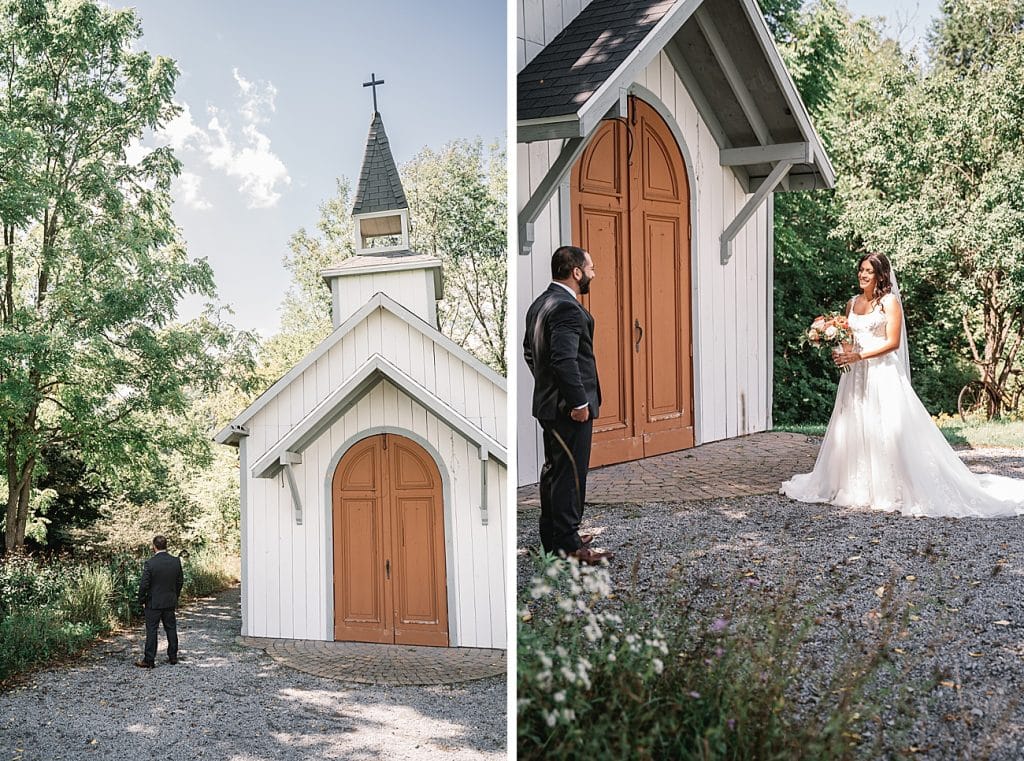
(26, 582)
(207, 571)
(602, 678)
(87, 598)
(35, 635)
(125, 571)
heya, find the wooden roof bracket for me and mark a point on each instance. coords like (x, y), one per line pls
(484, 456)
(288, 459)
(571, 150)
(753, 202)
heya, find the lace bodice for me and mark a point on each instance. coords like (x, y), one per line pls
(868, 329)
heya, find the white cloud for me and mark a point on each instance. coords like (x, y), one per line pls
(189, 185)
(135, 151)
(258, 99)
(243, 153)
(181, 132)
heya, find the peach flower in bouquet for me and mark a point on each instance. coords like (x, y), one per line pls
(831, 331)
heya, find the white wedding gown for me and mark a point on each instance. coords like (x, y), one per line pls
(883, 451)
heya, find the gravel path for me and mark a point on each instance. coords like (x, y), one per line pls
(225, 701)
(957, 650)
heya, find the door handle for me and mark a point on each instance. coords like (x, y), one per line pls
(387, 568)
(639, 333)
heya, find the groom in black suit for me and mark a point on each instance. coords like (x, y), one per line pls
(162, 579)
(559, 350)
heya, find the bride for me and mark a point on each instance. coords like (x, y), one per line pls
(881, 449)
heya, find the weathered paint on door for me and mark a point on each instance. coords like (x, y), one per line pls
(389, 554)
(631, 200)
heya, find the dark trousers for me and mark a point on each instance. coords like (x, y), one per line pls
(153, 618)
(565, 467)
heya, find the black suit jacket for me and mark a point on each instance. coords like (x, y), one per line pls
(559, 350)
(162, 579)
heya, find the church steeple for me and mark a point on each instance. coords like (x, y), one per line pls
(380, 208)
(384, 264)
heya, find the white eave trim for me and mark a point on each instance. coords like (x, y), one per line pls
(366, 269)
(231, 434)
(547, 128)
(377, 301)
(372, 372)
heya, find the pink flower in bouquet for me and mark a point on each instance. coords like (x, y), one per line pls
(831, 331)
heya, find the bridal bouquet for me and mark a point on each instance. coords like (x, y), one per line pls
(831, 331)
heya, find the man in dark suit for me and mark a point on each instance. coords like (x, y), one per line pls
(162, 579)
(559, 350)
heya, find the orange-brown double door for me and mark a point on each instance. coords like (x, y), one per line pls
(630, 206)
(389, 555)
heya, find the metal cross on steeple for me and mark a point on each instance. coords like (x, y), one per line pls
(373, 83)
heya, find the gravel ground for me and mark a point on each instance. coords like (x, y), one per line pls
(225, 701)
(955, 585)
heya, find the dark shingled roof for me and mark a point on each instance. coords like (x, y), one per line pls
(380, 188)
(576, 63)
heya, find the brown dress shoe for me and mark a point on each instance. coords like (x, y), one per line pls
(588, 556)
(144, 664)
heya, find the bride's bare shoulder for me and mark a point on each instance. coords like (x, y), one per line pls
(890, 302)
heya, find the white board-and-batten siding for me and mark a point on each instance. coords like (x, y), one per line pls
(731, 319)
(414, 289)
(288, 566)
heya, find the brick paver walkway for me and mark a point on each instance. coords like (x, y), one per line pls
(755, 464)
(382, 664)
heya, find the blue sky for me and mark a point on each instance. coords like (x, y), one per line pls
(905, 20)
(276, 111)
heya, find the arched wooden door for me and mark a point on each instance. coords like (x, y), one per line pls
(389, 554)
(630, 209)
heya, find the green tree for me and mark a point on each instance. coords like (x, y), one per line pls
(940, 189)
(457, 203)
(93, 266)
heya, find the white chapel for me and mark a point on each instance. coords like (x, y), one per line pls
(373, 474)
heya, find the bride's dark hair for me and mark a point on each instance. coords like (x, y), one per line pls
(883, 271)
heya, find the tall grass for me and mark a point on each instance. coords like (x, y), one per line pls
(54, 608)
(600, 677)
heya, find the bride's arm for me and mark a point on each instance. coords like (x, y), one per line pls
(893, 323)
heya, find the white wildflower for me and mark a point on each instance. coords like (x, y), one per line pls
(559, 697)
(658, 665)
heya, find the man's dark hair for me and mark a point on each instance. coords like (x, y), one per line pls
(565, 259)
(160, 542)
